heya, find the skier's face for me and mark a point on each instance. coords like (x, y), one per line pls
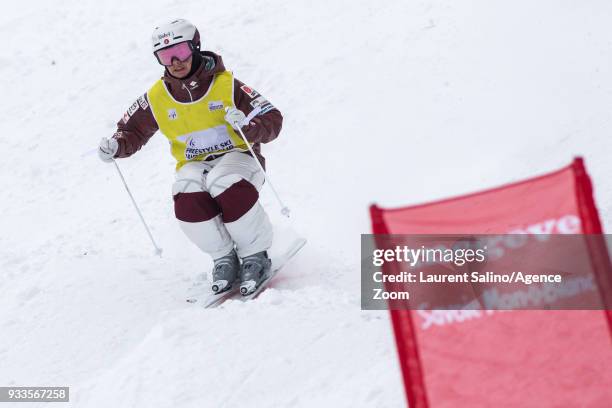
(180, 69)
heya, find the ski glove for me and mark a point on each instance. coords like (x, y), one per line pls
(108, 149)
(235, 117)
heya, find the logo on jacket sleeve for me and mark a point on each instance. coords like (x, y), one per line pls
(249, 91)
(132, 109)
(263, 105)
(142, 101)
(128, 114)
(172, 115)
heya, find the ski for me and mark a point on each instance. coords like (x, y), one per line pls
(215, 299)
(209, 300)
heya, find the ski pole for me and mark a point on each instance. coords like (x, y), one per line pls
(284, 209)
(158, 250)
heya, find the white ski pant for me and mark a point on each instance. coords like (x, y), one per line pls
(217, 205)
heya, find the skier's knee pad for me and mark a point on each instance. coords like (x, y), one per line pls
(237, 200)
(195, 207)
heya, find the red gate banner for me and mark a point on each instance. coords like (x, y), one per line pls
(526, 358)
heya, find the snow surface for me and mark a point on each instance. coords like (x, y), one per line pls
(397, 102)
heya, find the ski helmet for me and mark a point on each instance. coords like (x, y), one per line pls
(175, 32)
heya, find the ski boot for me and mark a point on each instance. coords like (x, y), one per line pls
(254, 269)
(225, 272)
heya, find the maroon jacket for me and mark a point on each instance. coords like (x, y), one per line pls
(138, 123)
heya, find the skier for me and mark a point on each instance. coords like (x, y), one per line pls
(199, 105)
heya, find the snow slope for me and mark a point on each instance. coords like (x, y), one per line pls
(396, 102)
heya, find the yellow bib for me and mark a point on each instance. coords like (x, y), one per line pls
(197, 129)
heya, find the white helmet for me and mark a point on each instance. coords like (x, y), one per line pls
(175, 32)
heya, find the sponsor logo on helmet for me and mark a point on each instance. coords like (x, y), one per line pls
(172, 115)
(164, 35)
(249, 91)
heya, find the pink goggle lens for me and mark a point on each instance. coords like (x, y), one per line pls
(181, 51)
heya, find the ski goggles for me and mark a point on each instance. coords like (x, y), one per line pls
(181, 51)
